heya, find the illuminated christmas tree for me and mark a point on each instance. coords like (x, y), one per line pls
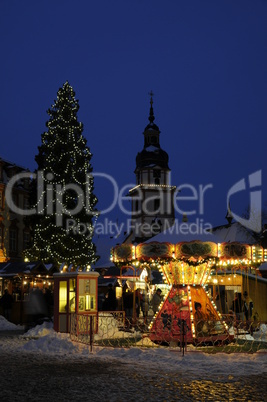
(63, 190)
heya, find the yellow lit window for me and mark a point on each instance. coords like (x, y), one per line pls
(62, 296)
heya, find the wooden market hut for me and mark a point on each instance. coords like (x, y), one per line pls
(20, 278)
(241, 280)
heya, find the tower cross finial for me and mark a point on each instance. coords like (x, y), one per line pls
(151, 94)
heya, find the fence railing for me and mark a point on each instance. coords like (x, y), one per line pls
(82, 328)
(113, 329)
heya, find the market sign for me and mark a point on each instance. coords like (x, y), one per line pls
(122, 252)
(154, 250)
(234, 250)
(196, 249)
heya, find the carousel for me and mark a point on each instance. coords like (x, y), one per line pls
(188, 269)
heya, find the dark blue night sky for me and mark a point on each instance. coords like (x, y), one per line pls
(204, 60)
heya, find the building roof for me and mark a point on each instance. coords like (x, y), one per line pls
(233, 232)
(12, 164)
(155, 157)
(19, 268)
(186, 232)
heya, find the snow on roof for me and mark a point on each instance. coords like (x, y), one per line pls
(185, 233)
(232, 233)
(152, 148)
(15, 268)
(48, 266)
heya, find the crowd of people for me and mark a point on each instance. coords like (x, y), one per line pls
(241, 307)
(38, 307)
(134, 303)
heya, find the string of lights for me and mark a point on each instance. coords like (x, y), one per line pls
(64, 165)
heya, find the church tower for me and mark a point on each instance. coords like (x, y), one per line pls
(152, 196)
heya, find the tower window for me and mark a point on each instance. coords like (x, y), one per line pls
(156, 175)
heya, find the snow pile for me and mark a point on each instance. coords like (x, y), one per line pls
(146, 342)
(261, 334)
(51, 343)
(108, 327)
(8, 326)
(43, 338)
(45, 341)
(40, 330)
(192, 362)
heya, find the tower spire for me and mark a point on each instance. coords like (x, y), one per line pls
(229, 215)
(151, 113)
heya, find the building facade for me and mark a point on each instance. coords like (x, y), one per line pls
(14, 235)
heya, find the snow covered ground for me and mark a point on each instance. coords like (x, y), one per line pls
(44, 340)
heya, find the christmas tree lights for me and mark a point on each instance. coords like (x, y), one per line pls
(67, 193)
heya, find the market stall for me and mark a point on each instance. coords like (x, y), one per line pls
(75, 295)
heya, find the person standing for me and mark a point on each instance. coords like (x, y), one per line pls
(248, 306)
(137, 302)
(7, 302)
(156, 300)
(128, 304)
(111, 302)
(145, 305)
(200, 320)
(236, 306)
(37, 307)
